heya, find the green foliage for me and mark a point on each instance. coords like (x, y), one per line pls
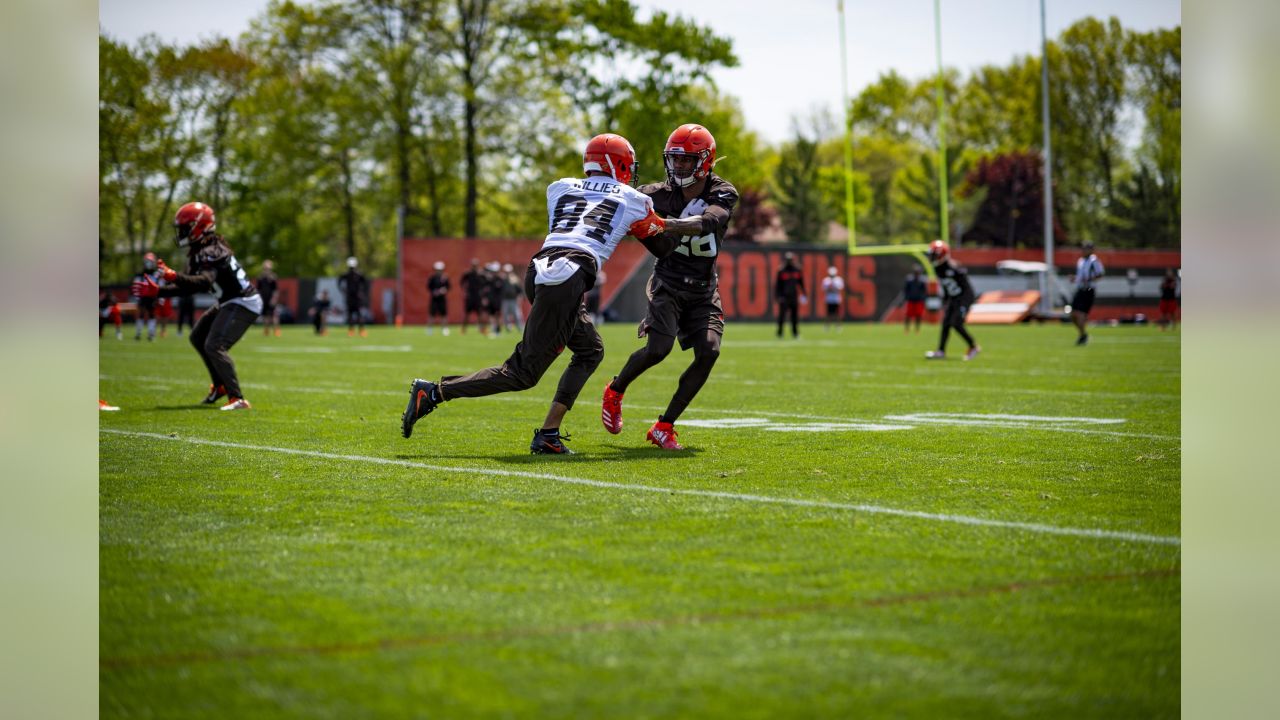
(1107, 190)
(1011, 214)
(803, 206)
(309, 132)
(1088, 74)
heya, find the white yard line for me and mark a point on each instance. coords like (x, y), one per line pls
(931, 387)
(869, 423)
(1037, 528)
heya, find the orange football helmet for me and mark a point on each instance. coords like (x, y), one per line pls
(939, 250)
(611, 154)
(194, 223)
(685, 141)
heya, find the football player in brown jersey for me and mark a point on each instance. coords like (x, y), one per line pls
(684, 299)
(211, 267)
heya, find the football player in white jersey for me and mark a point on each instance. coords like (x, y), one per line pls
(587, 218)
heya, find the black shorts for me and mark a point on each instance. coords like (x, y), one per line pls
(474, 305)
(439, 306)
(833, 310)
(1083, 300)
(956, 313)
(147, 304)
(685, 314)
(268, 310)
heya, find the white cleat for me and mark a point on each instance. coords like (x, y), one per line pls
(935, 355)
(237, 404)
(973, 352)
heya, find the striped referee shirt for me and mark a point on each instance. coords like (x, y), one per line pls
(1088, 269)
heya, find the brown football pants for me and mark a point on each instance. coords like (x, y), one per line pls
(218, 329)
(557, 320)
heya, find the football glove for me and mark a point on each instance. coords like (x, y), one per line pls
(146, 288)
(647, 227)
(167, 272)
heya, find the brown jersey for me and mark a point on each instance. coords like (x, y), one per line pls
(694, 259)
(212, 268)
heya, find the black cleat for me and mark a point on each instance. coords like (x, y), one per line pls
(548, 445)
(420, 404)
(216, 393)
(1083, 340)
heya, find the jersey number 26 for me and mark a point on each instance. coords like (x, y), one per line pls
(703, 246)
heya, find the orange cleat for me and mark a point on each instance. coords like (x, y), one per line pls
(611, 409)
(237, 404)
(103, 406)
(664, 436)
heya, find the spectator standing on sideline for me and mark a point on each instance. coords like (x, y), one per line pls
(496, 285)
(355, 288)
(145, 312)
(833, 293)
(512, 289)
(268, 284)
(438, 288)
(473, 286)
(319, 309)
(914, 292)
(1169, 300)
(789, 292)
(108, 311)
(1088, 270)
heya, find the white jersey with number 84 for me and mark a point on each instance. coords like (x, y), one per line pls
(592, 214)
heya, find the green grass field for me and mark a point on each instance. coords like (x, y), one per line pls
(852, 532)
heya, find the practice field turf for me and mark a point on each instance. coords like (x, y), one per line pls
(852, 532)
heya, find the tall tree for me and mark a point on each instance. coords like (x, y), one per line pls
(632, 76)
(1011, 213)
(1088, 65)
(798, 193)
(393, 49)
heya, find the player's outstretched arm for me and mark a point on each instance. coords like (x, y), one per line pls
(649, 230)
(711, 220)
(182, 284)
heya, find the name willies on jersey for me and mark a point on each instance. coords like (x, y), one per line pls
(600, 187)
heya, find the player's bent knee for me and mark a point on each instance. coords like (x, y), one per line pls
(659, 346)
